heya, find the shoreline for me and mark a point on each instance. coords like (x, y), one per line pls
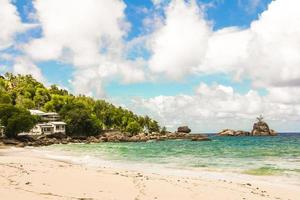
(30, 177)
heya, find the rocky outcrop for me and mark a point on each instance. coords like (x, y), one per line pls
(261, 128)
(183, 129)
(111, 136)
(230, 132)
(199, 137)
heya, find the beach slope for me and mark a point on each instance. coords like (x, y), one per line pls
(28, 177)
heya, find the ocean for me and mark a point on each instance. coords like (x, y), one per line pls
(255, 156)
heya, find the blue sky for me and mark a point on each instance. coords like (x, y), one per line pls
(215, 56)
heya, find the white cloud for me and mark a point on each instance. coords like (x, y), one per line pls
(10, 23)
(88, 34)
(24, 66)
(82, 27)
(180, 44)
(268, 52)
(216, 107)
(274, 47)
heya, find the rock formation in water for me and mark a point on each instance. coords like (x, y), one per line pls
(109, 136)
(183, 129)
(261, 128)
(230, 132)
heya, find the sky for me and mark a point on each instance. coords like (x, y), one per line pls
(208, 64)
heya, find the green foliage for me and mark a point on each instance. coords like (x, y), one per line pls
(152, 126)
(4, 98)
(15, 120)
(133, 127)
(163, 130)
(41, 97)
(56, 103)
(81, 122)
(83, 115)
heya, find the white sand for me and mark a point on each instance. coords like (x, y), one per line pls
(27, 177)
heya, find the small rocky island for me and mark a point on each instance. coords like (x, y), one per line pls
(260, 128)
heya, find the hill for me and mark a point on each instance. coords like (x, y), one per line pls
(83, 115)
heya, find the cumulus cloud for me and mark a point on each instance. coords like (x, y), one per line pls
(24, 66)
(216, 107)
(180, 44)
(268, 52)
(10, 23)
(86, 33)
(274, 47)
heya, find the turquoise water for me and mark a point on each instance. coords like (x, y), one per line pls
(247, 155)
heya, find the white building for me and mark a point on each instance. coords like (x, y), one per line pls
(47, 117)
(50, 123)
(48, 128)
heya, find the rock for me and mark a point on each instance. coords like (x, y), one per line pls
(242, 133)
(93, 139)
(261, 128)
(64, 142)
(227, 132)
(21, 144)
(11, 142)
(57, 136)
(199, 137)
(230, 132)
(143, 137)
(273, 133)
(25, 138)
(183, 129)
(134, 138)
(79, 137)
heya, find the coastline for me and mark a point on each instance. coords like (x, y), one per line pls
(24, 175)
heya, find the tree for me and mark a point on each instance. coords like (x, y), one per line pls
(163, 130)
(80, 122)
(56, 103)
(133, 127)
(4, 98)
(153, 126)
(15, 120)
(24, 102)
(19, 123)
(27, 93)
(41, 97)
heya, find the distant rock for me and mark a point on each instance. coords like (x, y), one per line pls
(261, 128)
(227, 132)
(242, 133)
(199, 137)
(183, 129)
(230, 132)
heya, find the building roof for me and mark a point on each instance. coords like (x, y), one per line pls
(58, 123)
(36, 112)
(50, 113)
(41, 113)
(45, 125)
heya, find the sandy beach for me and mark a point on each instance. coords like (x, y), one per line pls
(26, 176)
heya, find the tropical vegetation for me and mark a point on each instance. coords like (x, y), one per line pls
(83, 115)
